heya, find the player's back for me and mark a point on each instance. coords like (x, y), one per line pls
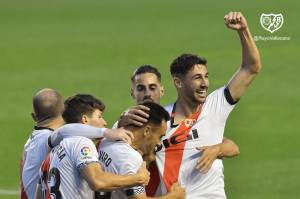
(60, 171)
(35, 151)
(120, 158)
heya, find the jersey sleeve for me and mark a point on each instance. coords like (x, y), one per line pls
(75, 129)
(84, 152)
(131, 166)
(219, 105)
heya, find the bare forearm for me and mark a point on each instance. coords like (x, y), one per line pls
(250, 53)
(228, 149)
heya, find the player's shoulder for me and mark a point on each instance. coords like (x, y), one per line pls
(77, 139)
(119, 150)
(116, 146)
(217, 92)
(76, 142)
(37, 138)
(40, 134)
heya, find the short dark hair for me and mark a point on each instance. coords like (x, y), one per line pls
(78, 105)
(157, 113)
(146, 69)
(182, 64)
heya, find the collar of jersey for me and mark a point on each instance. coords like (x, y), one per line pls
(42, 128)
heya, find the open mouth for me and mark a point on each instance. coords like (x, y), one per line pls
(201, 92)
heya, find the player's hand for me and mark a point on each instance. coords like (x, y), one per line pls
(119, 134)
(177, 191)
(235, 21)
(143, 175)
(209, 155)
(136, 115)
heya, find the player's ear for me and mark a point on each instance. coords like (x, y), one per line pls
(162, 91)
(146, 131)
(131, 93)
(84, 119)
(177, 82)
(33, 115)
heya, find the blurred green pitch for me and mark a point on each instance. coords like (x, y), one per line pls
(93, 47)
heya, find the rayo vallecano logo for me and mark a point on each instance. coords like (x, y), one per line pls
(271, 22)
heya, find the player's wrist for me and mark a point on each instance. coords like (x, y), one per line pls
(121, 121)
(172, 195)
(243, 31)
(218, 151)
(138, 179)
(106, 132)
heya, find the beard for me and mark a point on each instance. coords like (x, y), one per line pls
(196, 96)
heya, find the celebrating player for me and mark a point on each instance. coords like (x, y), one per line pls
(72, 169)
(48, 106)
(198, 119)
(146, 86)
(124, 159)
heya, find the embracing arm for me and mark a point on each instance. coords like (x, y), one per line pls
(210, 153)
(78, 129)
(99, 180)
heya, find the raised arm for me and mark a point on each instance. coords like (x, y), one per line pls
(99, 180)
(251, 64)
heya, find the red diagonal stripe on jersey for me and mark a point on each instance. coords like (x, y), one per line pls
(154, 180)
(45, 171)
(174, 153)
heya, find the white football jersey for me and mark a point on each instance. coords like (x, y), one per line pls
(35, 151)
(60, 172)
(120, 158)
(176, 158)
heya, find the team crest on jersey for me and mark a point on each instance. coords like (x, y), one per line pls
(86, 151)
(189, 122)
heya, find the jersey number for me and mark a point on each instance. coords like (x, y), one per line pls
(53, 183)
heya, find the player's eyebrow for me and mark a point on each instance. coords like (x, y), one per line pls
(153, 84)
(199, 74)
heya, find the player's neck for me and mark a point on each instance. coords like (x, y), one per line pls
(185, 108)
(136, 142)
(136, 145)
(51, 123)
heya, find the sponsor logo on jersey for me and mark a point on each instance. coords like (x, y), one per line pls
(86, 151)
(189, 122)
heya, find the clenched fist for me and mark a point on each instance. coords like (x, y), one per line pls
(235, 21)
